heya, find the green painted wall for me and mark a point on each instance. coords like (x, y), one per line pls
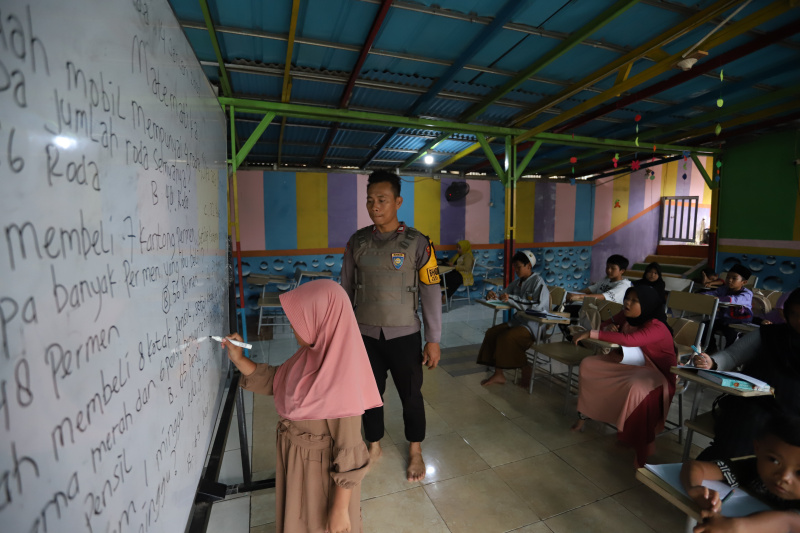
(759, 187)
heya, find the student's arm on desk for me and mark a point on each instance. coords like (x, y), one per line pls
(693, 473)
(766, 522)
(742, 351)
(645, 335)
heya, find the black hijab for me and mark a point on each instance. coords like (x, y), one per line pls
(652, 306)
(659, 285)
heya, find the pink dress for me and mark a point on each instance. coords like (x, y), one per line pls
(634, 399)
(312, 457)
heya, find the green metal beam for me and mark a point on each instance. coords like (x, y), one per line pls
(575, 39)
(226, 84)
(527, 159)
(699, 166)
(248, 145)
(362, 117)
(492, 158)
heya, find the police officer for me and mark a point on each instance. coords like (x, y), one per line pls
(388, 267)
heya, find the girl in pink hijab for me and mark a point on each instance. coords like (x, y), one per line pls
(320, 394)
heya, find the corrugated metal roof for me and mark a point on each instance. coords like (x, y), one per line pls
(418, 41)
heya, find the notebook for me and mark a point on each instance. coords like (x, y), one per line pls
(740, 504)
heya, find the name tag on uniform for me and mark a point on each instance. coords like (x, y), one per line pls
(397, 260)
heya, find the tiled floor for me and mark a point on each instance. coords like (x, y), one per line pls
(498, 459)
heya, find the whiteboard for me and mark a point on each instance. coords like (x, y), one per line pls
(113, 266)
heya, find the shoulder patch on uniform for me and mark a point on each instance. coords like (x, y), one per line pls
(429, 273)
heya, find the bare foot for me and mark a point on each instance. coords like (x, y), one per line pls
(579, 425)
(416, 466)
(375, 451)
(497, 378)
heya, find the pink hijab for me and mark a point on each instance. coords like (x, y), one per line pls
(332, 378)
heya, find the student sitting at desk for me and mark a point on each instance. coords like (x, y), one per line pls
(320, 394)
(504, 345)
(635, 399)
(462, 273)
(612, 287)
(771, 354)
(772, 476)
(652, 278)
(741, 309)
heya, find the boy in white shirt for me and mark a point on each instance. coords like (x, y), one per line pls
(612, 287)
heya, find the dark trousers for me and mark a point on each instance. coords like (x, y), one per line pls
(723, 327)
(403, 358)
(452, 280)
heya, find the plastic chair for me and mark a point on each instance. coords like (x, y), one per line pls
(680, 303)
(467, 298)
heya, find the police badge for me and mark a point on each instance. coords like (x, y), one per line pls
(397, 260)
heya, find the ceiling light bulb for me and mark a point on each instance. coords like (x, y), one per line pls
(428, 159)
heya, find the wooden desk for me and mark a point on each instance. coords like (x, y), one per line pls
(702, 383)
(603, 345)
(745, 328)
(497, 308)
(668, 492)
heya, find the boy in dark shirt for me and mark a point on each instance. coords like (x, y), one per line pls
(772, 475)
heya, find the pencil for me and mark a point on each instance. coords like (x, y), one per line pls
(727, 496)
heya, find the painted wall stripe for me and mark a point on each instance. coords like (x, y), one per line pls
(497, 219)
(545, 213)
(603, 205)
(342, 209)
(669, 175)
(452, 216)
(251, 208)
(526, 206)
(280, 210)
(637, 192)
(584, 212)
(427, 205)
(477, 215)
(362, 217)
(407, 191)
(564, 230)
(621, 200)
(312, 210)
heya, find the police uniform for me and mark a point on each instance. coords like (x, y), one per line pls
(386, 275)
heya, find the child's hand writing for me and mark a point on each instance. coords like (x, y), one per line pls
(236, 355)
(491, 295)
(581, 337)
(707, 499)
(503, 297)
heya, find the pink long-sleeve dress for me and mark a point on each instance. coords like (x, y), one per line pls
(634, 399)
(313, 456)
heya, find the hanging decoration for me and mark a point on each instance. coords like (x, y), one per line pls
(686, 155)
(615, 159)
(635, 164)
(653, 159)
(720, 103)
(718, 129)
(719, 166)
(617, 204)
(573, 160)
(649, 173)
